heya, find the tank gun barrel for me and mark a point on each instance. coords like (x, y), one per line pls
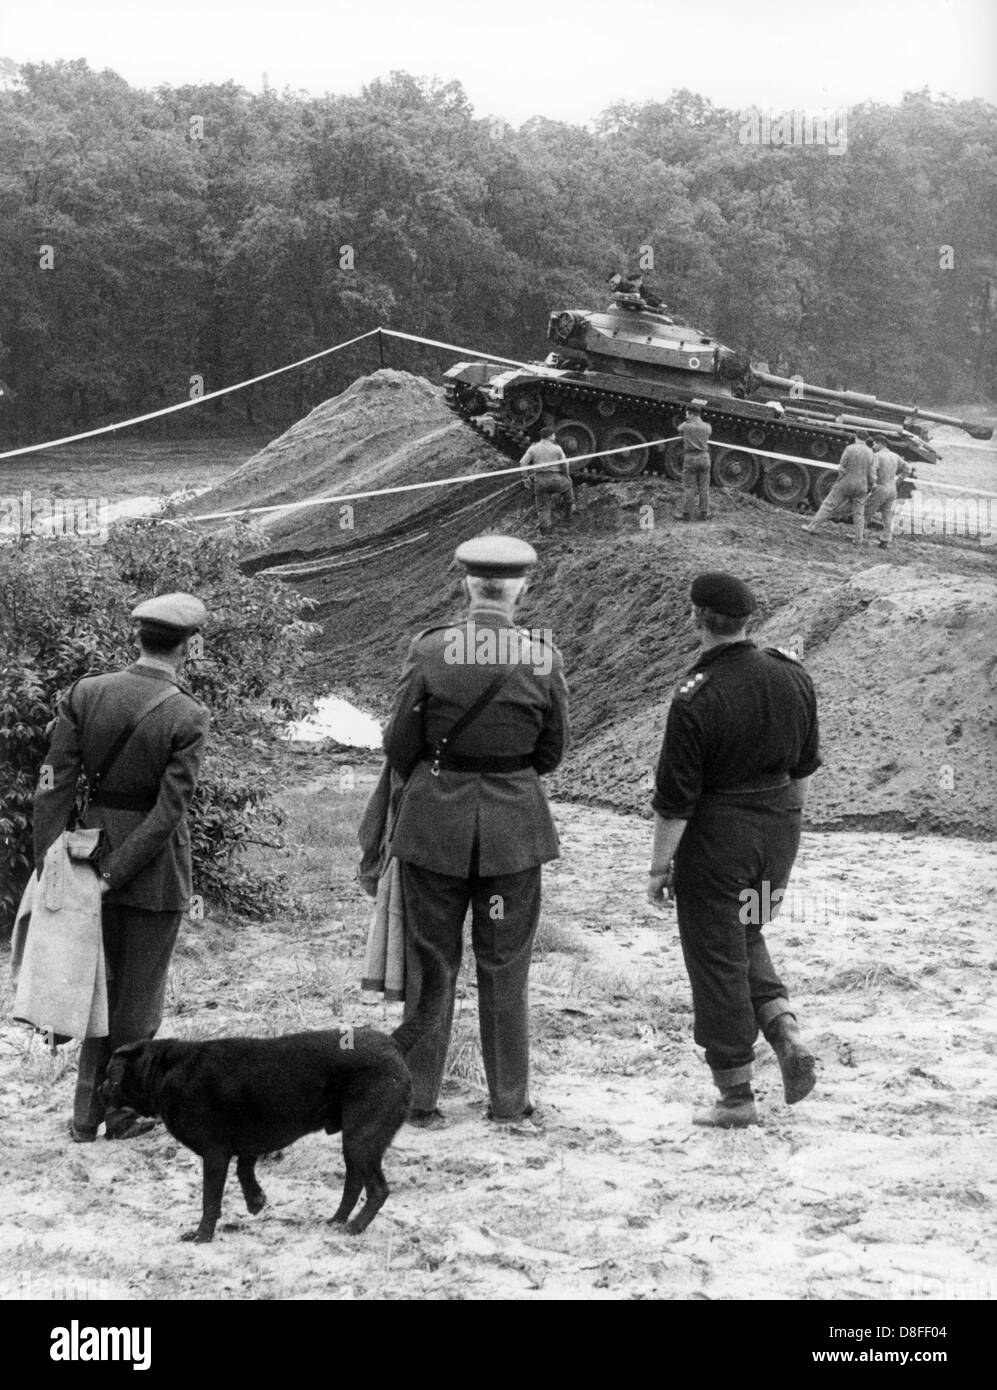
(803, 391)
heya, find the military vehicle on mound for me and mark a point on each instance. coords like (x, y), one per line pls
(621, 378)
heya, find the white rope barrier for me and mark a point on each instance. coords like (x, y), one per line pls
(519, 470)
(186, 405)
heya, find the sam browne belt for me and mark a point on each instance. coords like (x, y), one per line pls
(453, 762)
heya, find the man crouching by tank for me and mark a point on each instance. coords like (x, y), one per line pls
(741, 740)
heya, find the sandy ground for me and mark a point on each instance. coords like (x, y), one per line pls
(880, 1185)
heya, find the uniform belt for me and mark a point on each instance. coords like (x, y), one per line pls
(746, 787)
(118, 801)
(452, 762)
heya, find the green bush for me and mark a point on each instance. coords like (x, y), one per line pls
(64, 613)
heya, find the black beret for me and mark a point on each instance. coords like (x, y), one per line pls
(723, 593)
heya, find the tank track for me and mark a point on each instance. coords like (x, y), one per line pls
(730, 427)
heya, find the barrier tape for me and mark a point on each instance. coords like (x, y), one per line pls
(186, 405)
(518, 471)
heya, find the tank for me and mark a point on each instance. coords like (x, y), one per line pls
(620, 378)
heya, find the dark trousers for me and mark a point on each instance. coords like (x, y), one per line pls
(137, 950)
(733, 857)
(505, 910)
(544, 492)
(696, 486)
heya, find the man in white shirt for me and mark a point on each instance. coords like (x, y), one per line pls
(883, 498)
(548, 483)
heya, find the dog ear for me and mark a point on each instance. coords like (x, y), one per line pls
(129, 1069)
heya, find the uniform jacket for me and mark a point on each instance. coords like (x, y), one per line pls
(440, 820)
(857, 470)
(546, 451)
(148, 858)
(696, 437)
(741, 716)
(887, 467)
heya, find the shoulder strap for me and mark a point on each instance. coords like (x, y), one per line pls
(691, 685)
(118, 746)
(470, 714)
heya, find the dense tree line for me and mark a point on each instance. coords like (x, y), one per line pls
(200, 232)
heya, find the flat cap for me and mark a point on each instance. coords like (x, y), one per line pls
(723, 593)
(496, 557)
(180, 613)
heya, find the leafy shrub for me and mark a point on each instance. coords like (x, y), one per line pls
(64, 613)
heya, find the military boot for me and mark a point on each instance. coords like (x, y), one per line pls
(796, 1061)
(734, 1110)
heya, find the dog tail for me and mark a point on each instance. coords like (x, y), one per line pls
(429, 1012)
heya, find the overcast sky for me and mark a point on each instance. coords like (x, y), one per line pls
(518, 58)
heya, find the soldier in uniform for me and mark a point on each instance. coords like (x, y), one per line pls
(695, 434)
(141, 806)
(548, 483)
(740, 741)
(882, 501)
(473, 825)
(852, 486)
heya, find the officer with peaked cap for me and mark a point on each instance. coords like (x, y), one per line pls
(140, 802)
(741, 740)
(481, 715)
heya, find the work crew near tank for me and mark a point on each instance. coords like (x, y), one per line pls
(155, 729)
(741, 740)
(480, 716)
(852, 486)
(695, 434)
(882, 500)
(548, 483)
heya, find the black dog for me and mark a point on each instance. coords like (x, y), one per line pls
(244, 1097)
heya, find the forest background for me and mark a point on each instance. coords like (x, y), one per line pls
(200, 235)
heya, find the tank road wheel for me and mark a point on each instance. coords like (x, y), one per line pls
(526, 405)
(630, 464)
(736, 471)
(671, 460)
(822, 483)
(786, 484)
(575, 438)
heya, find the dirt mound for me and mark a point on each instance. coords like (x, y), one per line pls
(902, 652)
(384, 430)
(905, 666)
